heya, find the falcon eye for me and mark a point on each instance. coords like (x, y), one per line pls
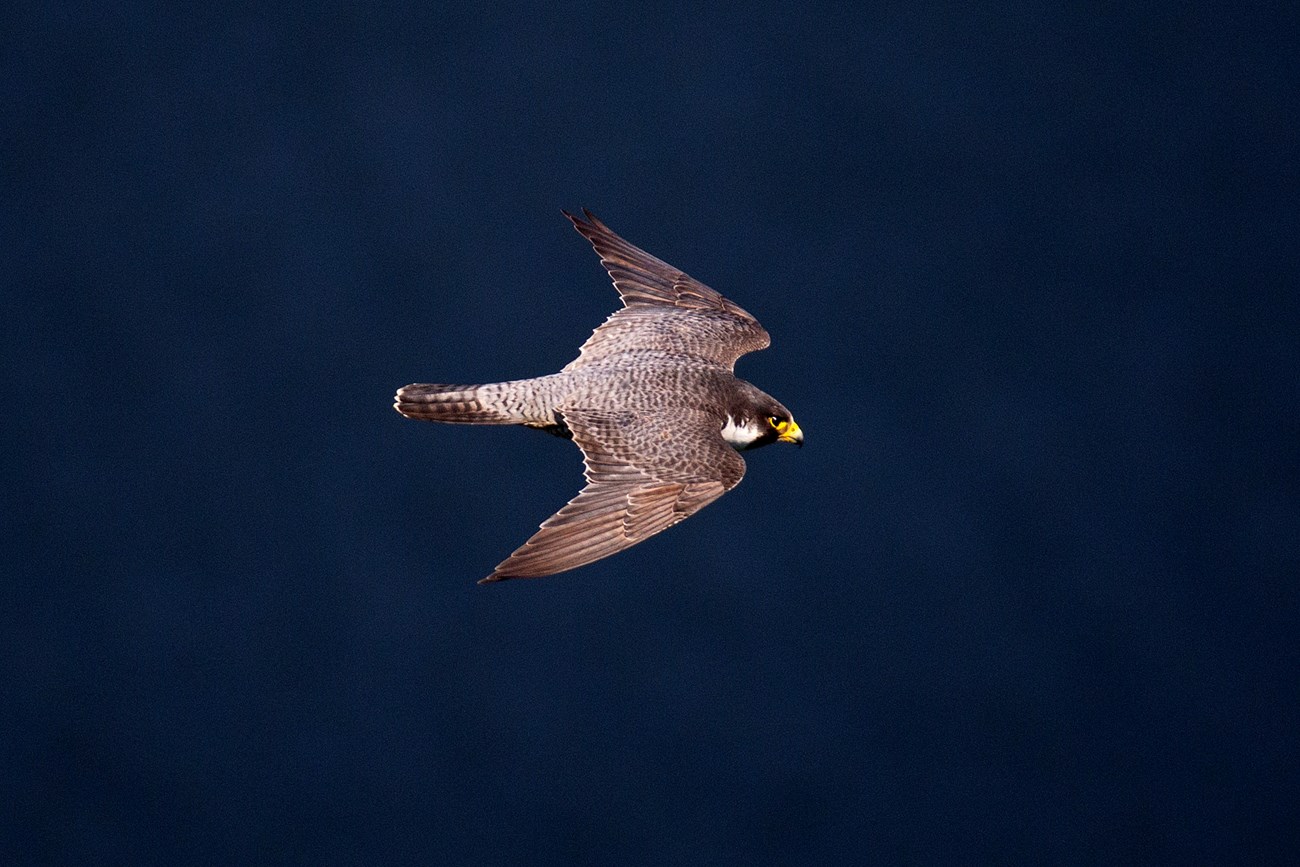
(775, 422)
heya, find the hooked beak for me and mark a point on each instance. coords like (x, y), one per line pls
(791, 434)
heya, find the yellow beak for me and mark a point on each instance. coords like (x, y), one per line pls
(790, 433)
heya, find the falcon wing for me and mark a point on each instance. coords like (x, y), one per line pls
(663, 308)
(645, 472)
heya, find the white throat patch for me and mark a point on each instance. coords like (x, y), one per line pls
(740, 437)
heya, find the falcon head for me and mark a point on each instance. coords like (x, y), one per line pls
(758, 422)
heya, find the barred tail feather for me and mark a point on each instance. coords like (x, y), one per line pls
(453, 404)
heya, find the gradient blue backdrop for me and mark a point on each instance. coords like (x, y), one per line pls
(1027, 595)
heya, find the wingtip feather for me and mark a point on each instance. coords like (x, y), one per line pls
(587, 222)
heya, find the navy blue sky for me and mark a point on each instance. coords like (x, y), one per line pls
(1027, 595)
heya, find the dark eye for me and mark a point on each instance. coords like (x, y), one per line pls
(774, 421)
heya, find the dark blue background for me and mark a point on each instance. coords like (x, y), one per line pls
(1028, 594)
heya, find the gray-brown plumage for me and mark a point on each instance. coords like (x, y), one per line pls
(651, 400)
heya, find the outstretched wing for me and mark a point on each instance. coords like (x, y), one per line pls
(644, 473)
(663, 309)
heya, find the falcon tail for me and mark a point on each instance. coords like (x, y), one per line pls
(453, 404)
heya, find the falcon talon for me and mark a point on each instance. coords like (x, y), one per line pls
(652, 401)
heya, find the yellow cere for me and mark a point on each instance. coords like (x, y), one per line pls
(789, 431)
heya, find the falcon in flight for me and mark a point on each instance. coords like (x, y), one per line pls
(651, 400)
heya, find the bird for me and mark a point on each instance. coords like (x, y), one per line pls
(652, 401)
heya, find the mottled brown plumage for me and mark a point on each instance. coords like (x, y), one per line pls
(650, 400)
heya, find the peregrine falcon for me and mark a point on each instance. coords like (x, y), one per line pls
(651, 400)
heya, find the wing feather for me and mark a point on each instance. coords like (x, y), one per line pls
(631, 493)
(664, 309)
